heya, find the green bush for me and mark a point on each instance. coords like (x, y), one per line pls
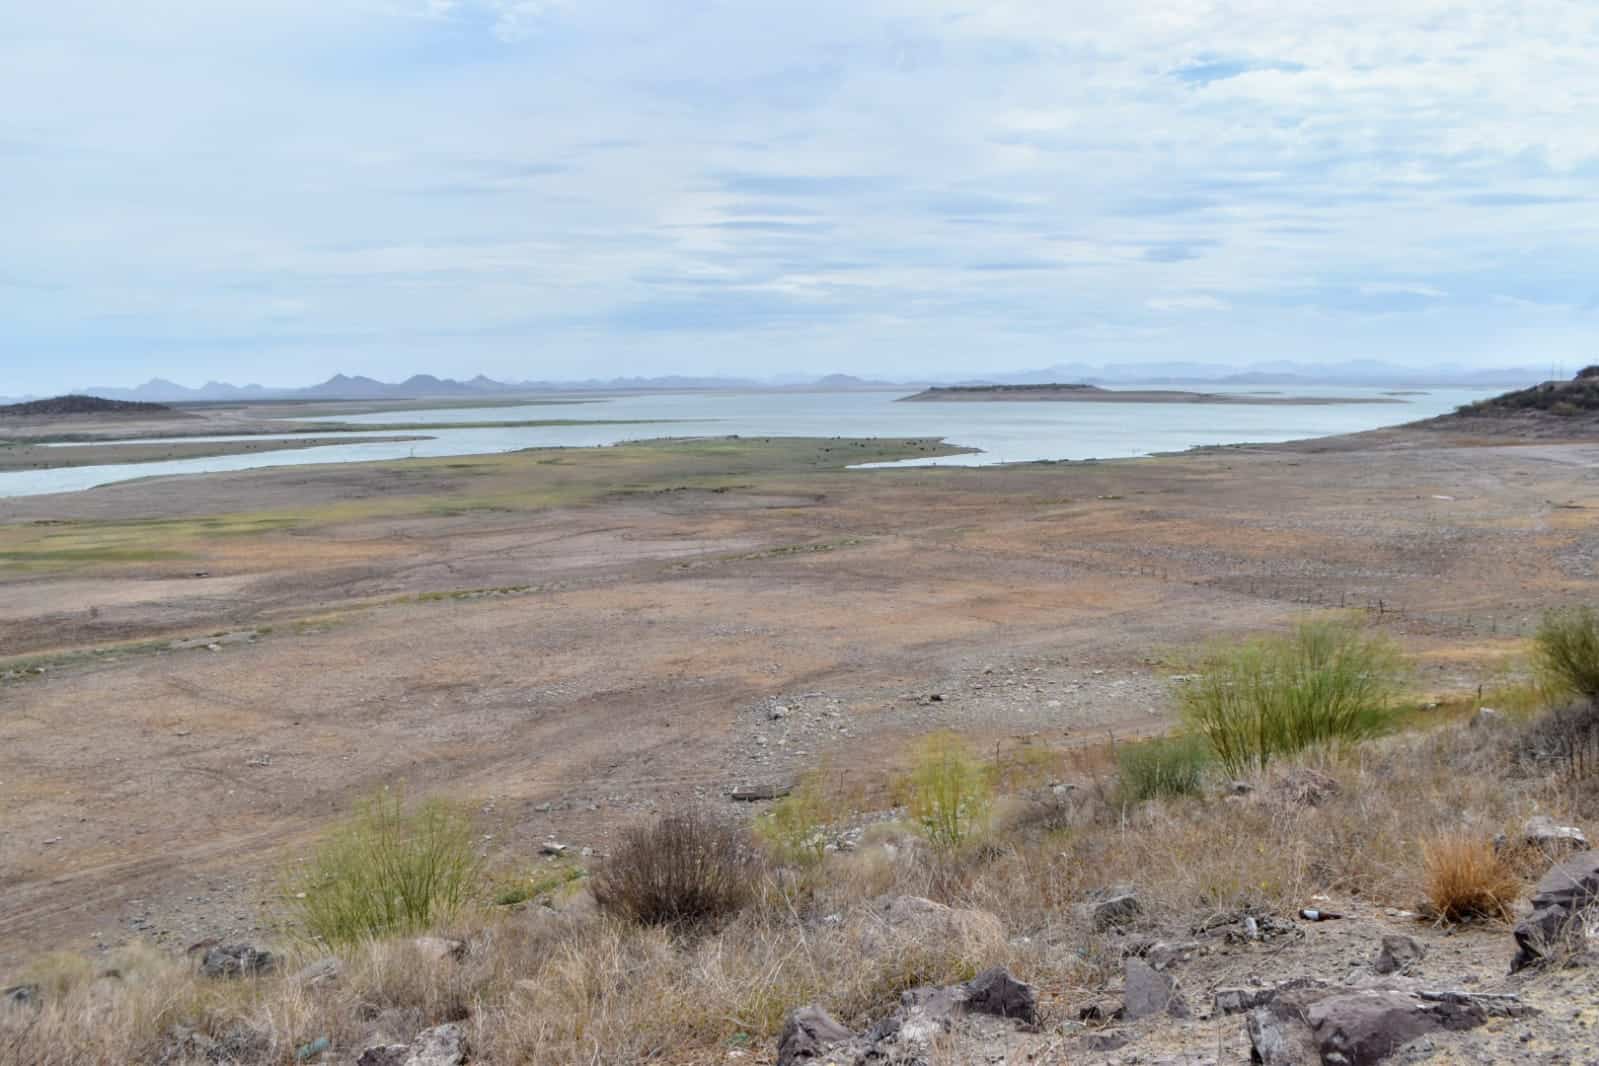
(1163, 766)
(1327, 682)
(1566, 653)
(951, 791)
(387, 870)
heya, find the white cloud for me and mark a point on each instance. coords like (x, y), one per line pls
(483, 179)
(1186, 303)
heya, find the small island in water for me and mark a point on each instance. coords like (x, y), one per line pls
(1096, 394)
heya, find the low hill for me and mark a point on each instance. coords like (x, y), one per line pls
(1578, 396)
(59, 406)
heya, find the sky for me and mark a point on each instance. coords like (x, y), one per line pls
(270, 192)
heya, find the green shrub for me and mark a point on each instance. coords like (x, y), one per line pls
(1163, 766)
(387, 870)
(1566, 653)
(951, 791)
(795, 827)
(687, 869)
(1327, 682)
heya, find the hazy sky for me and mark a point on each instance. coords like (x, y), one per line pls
(272, 190)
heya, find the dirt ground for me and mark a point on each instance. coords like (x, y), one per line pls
(200, 672)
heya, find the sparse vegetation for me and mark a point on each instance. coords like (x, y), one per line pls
(1163, 767)
(1468, 878)
(1327, 682)
(687, 869)
(949, 791)
(794, 828)
(387, 870)
(543, 885)
(1566, 737)
(1566, 653)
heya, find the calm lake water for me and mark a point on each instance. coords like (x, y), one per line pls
(1005, 432)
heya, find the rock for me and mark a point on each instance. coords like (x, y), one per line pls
(1163, 955)
(1149, 993)
(997, 993)
(438, 949)
(899, 920)
(1238, 1000)
(324, 971)
(550, 847)
(1353, 1027)
(807, 1034)
(443, 1045)
(1398, 954)
(236, 960)
(1278, 1036)
(907, 1036)
(20, 996)
(1115, 911)
(384, 1055)
(757, 793)
(1113, 1041)
(186, 1046)
(1304, 787)
(1554, 840)
(1569, 889)
(1367, 1027)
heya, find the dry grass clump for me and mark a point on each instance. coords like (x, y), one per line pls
(1467, 878)
(687, 869)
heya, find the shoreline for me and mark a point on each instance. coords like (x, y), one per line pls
(1095, 394)
(29, 456)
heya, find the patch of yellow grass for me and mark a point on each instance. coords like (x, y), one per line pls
(1467, 878)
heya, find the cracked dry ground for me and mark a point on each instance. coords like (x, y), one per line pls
(570, 640)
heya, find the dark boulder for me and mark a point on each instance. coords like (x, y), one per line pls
(1568, 890)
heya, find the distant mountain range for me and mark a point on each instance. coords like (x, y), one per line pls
(1364, 372)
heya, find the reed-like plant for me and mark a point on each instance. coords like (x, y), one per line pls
(1326, 682)
(387, 869)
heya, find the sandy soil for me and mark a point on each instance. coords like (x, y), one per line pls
(199, 672)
